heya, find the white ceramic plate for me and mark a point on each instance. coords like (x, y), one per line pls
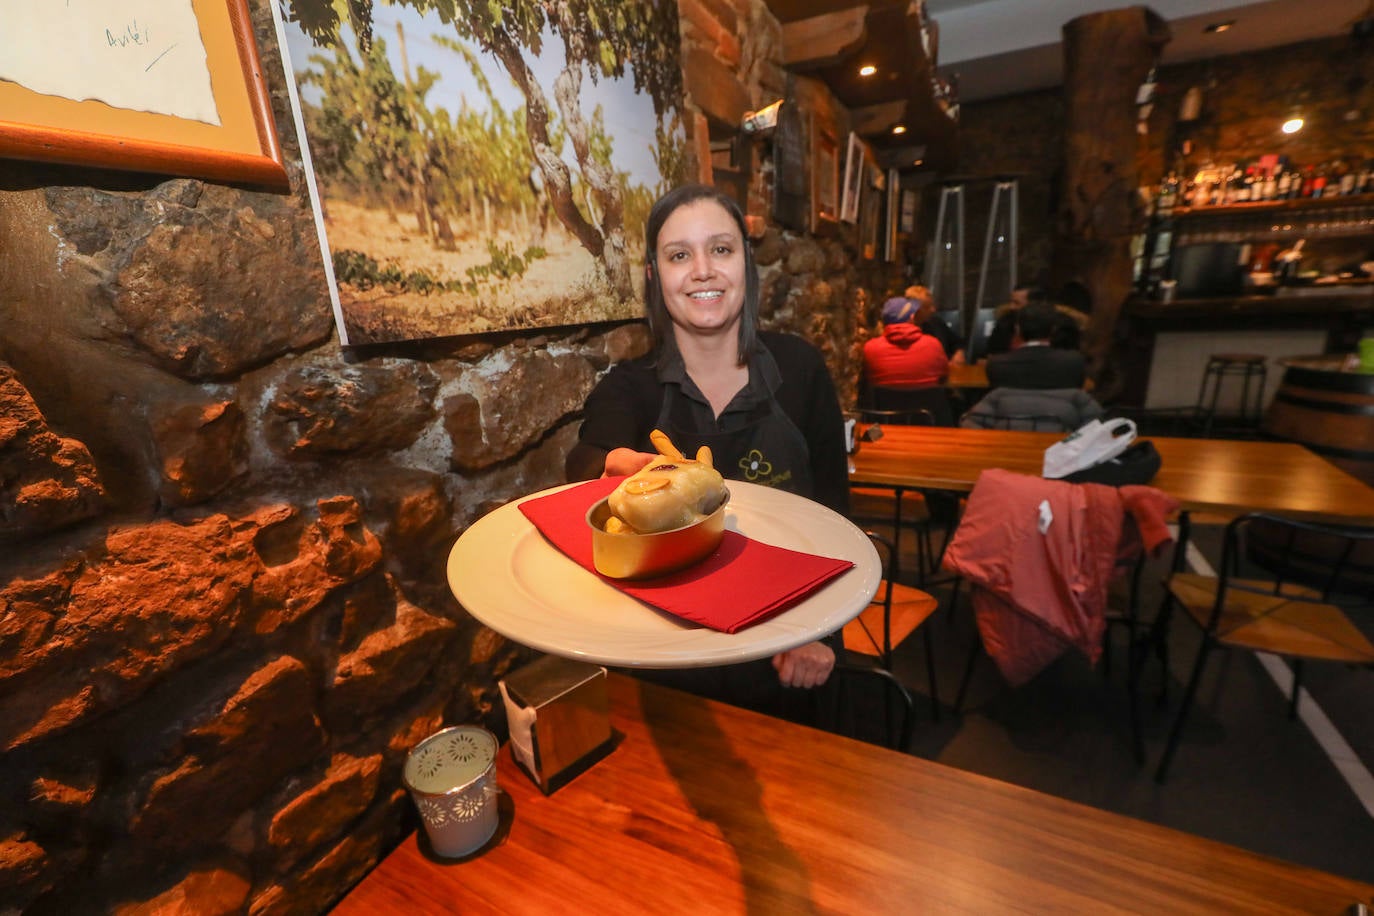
(511, 579)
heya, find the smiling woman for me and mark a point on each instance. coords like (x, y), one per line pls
(763, 403)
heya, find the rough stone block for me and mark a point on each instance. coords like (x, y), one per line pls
(202, 447)
(321, 410)
(46, 482)
(322, 811)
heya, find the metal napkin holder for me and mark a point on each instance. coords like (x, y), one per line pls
(558, 711)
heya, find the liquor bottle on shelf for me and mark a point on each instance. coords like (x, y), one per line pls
(1349, 179)
(1283, 187)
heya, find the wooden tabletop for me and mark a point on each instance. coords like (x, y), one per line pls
(964, 375)
(1205, 475)
(709, 808)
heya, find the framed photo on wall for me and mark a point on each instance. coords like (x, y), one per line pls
(870, 212)
(891, 215)
(825, 180)
(854, 171)
(483, 228)
(908, 217)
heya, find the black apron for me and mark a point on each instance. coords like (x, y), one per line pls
(769, 449)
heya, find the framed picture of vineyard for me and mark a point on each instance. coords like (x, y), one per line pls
(480, 168)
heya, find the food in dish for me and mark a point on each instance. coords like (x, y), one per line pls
(667, 494)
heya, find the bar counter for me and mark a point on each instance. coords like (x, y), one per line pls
(708, 808)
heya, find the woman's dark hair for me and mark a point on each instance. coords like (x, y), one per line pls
(655, 311)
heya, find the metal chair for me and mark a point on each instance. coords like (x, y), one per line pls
(931, 399)
(849, 696)
(1268, 613)
(895, 613)
(1032, 422)
(898, 506)
(1248, 367)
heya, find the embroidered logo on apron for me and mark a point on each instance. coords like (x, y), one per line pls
(758, 469)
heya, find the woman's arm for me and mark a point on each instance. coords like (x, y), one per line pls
(614, 426)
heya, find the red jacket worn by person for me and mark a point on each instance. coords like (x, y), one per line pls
(904, 357)
(1040, 555)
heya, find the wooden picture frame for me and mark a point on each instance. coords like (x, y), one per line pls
(907, 223)
(854, 171)
(891, 214)
(870, 211)
(825, 180)
(242, 148)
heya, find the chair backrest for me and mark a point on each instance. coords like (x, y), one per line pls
(983, 322)
(932, 399)
(1024, 421)
(863, 701)
(1046, 410)
(921, 417)
(1333, 559)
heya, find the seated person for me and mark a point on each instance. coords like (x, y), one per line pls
(1033, 362)
(1004, 324)
(1042, 409)
(928, 319)
(904, 356)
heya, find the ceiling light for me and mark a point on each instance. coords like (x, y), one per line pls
(899, 129)
(918, 162)
(867, 70)
(1216, 28)
(1292, 125)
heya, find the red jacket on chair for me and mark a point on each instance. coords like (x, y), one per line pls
(1040, 555)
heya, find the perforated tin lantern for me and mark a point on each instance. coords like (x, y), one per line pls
(451, 775)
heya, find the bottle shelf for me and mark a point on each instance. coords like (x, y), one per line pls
(1264, 207)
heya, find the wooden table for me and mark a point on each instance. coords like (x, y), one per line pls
(1205, 475)
(966, 376)
(708, 808)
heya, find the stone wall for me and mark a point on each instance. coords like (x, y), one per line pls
(223, 608)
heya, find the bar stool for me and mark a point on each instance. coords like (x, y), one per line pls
(1221, 366)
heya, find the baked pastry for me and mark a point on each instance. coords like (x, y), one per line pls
(667, 494)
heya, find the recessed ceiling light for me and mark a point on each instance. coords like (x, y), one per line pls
(899, 129)
(1292, 125)
(867, 70)
(1214, 28)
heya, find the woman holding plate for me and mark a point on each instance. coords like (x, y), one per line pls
(762, 401)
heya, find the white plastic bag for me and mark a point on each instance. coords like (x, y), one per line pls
(1092, 443)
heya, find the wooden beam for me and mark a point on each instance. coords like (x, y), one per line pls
(823, 40)
(880, 118)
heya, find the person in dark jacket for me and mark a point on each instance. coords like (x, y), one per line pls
(1033, 362)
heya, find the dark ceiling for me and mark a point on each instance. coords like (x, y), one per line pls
(901, 91)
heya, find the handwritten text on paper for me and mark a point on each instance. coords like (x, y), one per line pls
(142, 55)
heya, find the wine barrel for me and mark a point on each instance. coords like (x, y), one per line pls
(1330, 410)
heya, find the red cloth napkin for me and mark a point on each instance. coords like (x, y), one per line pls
(743, 583)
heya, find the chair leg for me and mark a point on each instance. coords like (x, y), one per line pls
(1296, 666)
(1163, 771)
(974, 650)
(930, 673)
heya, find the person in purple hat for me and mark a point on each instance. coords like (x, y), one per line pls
(904, 356)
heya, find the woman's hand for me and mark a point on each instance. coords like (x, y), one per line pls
(622, 462)
(805, 666)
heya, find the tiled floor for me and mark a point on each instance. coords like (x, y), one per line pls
(1244, 773)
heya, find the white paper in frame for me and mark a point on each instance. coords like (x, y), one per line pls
(853, 179)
